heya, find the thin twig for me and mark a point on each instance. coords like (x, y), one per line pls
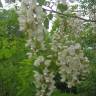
(72, 16)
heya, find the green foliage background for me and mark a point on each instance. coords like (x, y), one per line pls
(12, 53)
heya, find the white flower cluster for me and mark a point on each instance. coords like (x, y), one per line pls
(44, 79)
(71, 62)
(57, 38)
(30, 19)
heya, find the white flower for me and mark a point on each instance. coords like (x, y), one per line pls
(86, 59)
(63, 79)
(71, 50)
(70, 84)
(39, 60)
(77, 46)
(90, 48)
(29, 55)
(45, 71)
(28, 43)
(47, 62)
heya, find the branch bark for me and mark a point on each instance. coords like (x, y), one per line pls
(72, 16)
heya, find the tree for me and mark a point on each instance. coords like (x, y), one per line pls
(52, 53)
(0, 3)
(55, 58)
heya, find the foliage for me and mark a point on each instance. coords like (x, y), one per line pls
(58, 93)
(12, 51)
(62, 7)
(88, 41)
(88, 87)
(89, 8)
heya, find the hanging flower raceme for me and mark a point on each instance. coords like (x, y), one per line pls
(44, 78)
(71, 62)
(30, 20)
(73, 66)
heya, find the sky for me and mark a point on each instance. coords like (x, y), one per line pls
(6, 5)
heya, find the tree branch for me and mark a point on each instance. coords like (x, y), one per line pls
(72, 16)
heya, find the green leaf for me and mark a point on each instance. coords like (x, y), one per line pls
(50, 16)
(46, 23)
(62, 7)
(41, 2)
